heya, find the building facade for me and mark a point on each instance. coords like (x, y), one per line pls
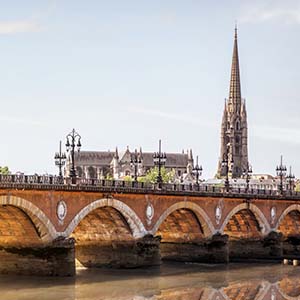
(234, 129)
(118, 165)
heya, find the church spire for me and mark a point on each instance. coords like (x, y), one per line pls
(234, 128)
(235, 84)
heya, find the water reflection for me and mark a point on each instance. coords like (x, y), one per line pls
(176, 281)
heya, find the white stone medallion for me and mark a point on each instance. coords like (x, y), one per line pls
(149, 213)
(61, 211)
(218, 214)
(218, 211)
(273, 214)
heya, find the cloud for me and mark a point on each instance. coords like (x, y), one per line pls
(284, 11)
(14, 27)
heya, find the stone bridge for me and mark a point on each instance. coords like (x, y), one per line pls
(48, 227)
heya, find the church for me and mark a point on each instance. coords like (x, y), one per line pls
(234, 145)
(234, 129)
(118, 164)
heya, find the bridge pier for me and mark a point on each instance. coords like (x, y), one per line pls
(55, 259)
(265, 248)
(120, 254)
(212, 250)
(291, 246)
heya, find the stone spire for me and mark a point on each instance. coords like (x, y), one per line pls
(235, 97)
(234, 131)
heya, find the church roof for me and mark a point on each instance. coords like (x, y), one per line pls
(94, 158)
(104, 158)
(174, 160)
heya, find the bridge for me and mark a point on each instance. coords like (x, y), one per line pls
(48, 225)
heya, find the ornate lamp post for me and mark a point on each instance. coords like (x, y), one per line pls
(247, 175)
(135, 160)
(60, 160)
(291, 178)
(281, 172)
(72, 138)
(225, 165)
(197, 170)
(159, 160)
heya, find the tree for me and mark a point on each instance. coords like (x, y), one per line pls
(4, 170)
(151, 176)
(127, 178)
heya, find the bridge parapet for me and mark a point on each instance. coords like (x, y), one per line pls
(36, 182)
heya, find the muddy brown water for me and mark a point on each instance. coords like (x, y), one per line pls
(170, 281)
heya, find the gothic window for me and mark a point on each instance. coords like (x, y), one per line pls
(228, 126)
(237, 126)
(92, 172)
(237, 140)
(237, 150)
(79, 171)
(107, 171)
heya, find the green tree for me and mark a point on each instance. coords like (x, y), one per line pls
(127, 178)
(4, 170)
(152, 174)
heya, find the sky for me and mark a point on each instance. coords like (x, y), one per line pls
(128, 73)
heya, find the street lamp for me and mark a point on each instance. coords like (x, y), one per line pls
(135, 160)
(291, 178)
(197, 170)
(60, 160)
(225, 165)
(281, 172)
(72, 138)
(247, 175)
(159, 160)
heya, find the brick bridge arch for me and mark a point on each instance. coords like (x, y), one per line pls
(206, 223)
(260, 217)
(137, 228)
(41, 222)
(289, 209)
(285, 294)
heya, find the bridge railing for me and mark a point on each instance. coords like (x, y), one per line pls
(23, 181)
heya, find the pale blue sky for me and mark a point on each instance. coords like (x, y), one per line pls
(131, 72)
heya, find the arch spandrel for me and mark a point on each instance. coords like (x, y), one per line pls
(260, 217)
(137, 228)
(204, 220)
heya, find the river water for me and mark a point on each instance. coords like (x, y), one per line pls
(170, 281)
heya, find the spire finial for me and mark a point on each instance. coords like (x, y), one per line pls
(235, 30)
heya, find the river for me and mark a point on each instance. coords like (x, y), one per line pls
(170, 281)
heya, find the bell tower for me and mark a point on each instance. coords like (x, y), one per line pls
(234, 129)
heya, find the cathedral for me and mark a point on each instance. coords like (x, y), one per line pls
(233, 155)
(234, 136)
(118, 164)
